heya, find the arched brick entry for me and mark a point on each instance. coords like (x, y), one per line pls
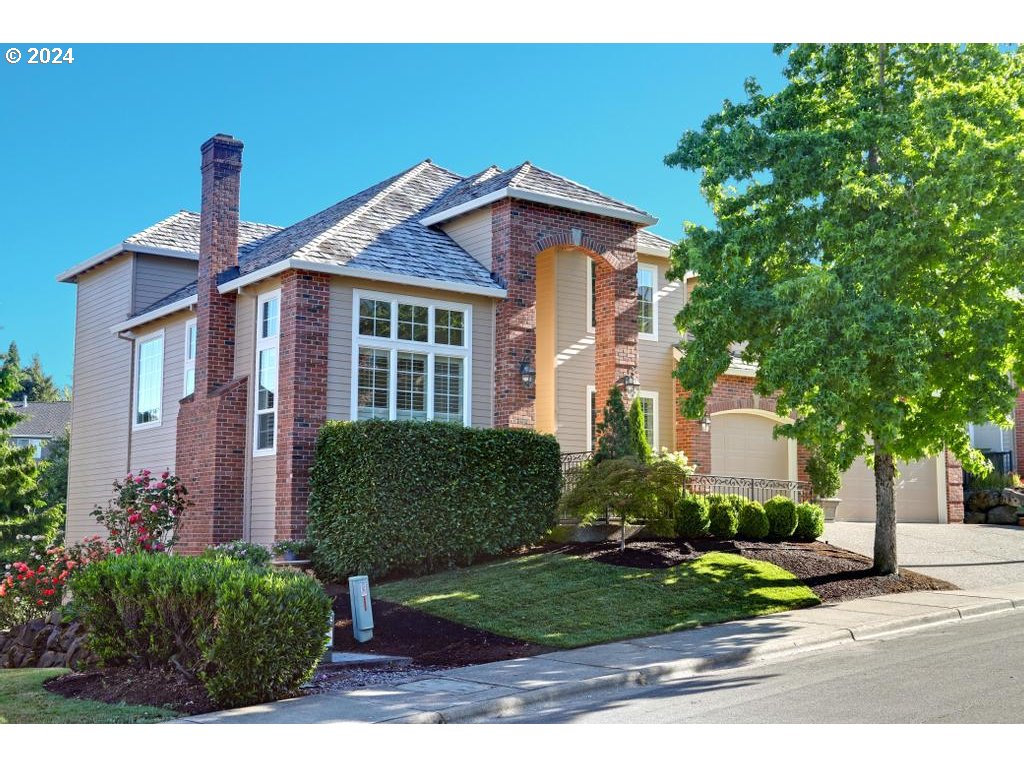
(520, 231)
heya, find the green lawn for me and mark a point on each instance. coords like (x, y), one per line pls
(24, 700)
(567, 602)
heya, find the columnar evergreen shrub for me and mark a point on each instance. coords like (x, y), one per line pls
(422, 496)
(638, 437)
(722, 516)
(810, 522)
(692, 517)
(614, 435)
(249, 634)
(753, 521)
(782, 517)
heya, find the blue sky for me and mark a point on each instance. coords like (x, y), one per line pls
(99, 149)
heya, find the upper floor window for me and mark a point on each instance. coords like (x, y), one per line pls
(265, 421)
(190, 358)
(149, 378)
(646, 290)
(411, 359)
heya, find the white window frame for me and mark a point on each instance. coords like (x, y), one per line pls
(590, 309)
(136, 424)
(190, 363)
(270, 342)
(394, 345)
(649, 394)
(653, 269)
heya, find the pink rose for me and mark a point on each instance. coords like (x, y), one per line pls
(154, 508)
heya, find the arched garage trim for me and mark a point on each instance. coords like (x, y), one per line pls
(791, 463)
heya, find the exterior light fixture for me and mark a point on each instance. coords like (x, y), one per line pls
(630, 385)
(528, 374)
(705, 423)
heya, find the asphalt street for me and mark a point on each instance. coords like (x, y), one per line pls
(965, 672)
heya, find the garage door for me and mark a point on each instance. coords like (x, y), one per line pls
(917, 493)
(742, 446)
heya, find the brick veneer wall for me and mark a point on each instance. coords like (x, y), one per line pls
(302, 394)
(211, 427)
(954, 489)
(520, 230)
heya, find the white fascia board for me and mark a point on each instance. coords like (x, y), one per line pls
(733, 370)
(168, 309)
(539, 197)
(653, 251)
(68, 275)
(354, 272)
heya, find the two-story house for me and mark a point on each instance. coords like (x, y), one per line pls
(217, 347)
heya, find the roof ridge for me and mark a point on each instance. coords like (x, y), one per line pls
(522, 170)
(356, 214)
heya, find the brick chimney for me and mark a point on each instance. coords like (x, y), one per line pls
(211, 429)
(218, 251)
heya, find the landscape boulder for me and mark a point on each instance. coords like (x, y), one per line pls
(47, 642)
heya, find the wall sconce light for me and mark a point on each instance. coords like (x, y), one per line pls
(630, 385)
(528, 374)
(705, 423)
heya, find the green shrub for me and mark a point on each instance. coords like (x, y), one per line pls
(722, 517)
(39, 528)
(753, 521)
(249, 634)
(247, 551)
(638, 437)
(825, 477)
(425, 495)
(614, 433)
(782, 518)
(810, 522)
(692, 517)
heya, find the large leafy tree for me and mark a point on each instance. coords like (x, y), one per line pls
(869, 247)
(18, 468)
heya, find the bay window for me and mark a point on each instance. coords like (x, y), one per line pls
(411, 359)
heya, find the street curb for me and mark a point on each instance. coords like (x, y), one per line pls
(511, 705)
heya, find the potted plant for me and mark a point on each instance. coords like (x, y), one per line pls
(825, 483)
(291, 550)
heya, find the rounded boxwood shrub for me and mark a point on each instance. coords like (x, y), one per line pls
(722, 516)
(248, 634)
(810, 522)
(753, 521)
(421, 496)
(782, 518)
(692, 517)
(247, 551)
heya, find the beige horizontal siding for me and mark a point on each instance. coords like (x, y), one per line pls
(472, 232)
(101, 407)
(160, 276)
(655, 360)
(339, 352)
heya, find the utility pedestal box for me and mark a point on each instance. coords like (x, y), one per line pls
(362, 610)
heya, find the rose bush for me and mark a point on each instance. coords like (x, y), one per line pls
(142, 515)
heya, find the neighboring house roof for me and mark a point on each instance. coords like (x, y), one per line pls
(177, 235)
(528, 182)
(41, 419)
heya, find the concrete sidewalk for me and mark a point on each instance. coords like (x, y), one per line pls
(502, 688)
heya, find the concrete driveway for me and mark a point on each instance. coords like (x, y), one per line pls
(969, 556)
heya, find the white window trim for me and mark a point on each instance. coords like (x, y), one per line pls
(136, 426)
(651, 395)
(271, 342)
(591, 276)
(653, 269)
(393, 344)
(190, 364)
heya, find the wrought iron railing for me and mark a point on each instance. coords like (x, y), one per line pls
(573, 465)
(758, 489)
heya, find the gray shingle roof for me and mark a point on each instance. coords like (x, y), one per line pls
(192, 289)
(41, 419)
(180, 232)
(646, 239)
(529, 178)
(379, 230)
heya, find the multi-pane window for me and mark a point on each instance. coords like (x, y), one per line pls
(647, 406)
(149, 378)
(646, 279)
(413, 363)
(266, 372)
(190, 358)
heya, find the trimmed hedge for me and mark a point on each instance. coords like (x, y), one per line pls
(753, 521)
(810, 522)
(723, 520)
(421, 496)
(249, 634)
(782, 517)
(692, 517)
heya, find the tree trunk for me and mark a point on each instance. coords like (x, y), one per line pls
(885, 514)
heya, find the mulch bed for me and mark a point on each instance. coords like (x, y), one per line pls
(144, 687)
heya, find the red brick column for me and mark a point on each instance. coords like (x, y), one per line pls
(521, 230)
(1018, 431)
(302, 393)
(954, 489)
(690, 438)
